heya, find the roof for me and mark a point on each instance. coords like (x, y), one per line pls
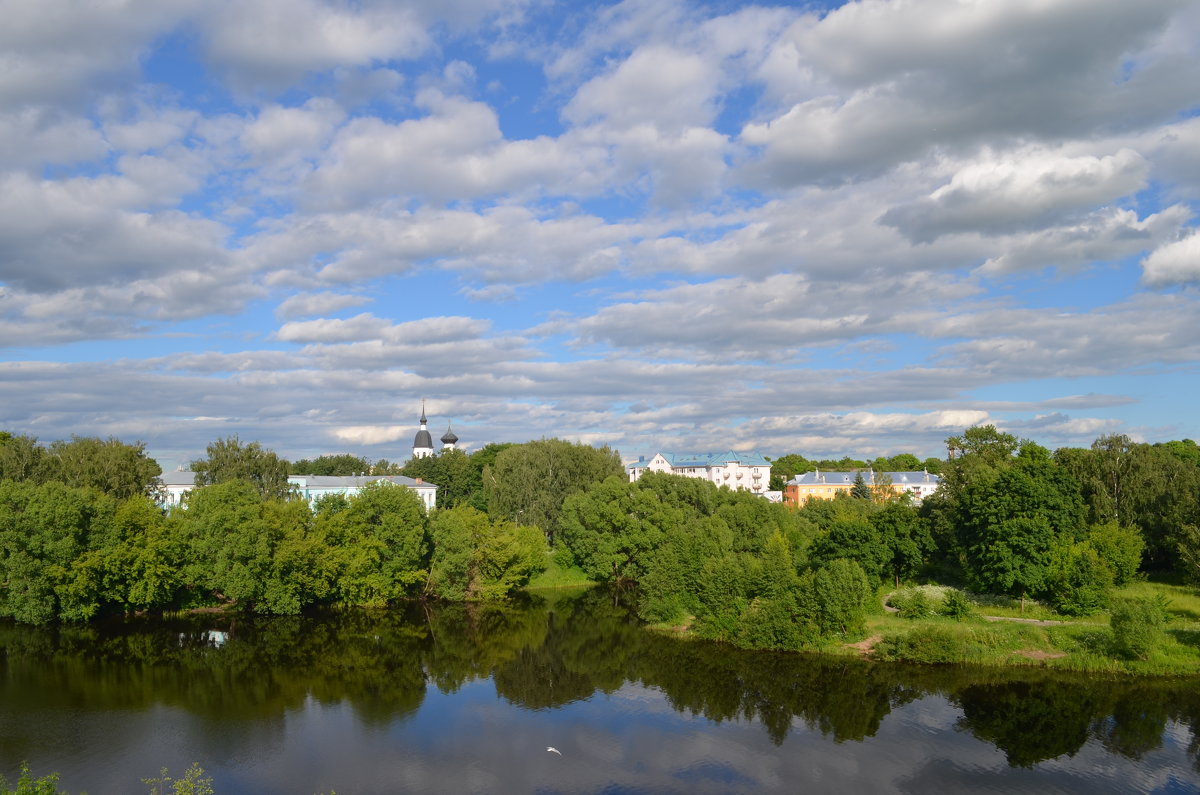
(833, 478)
(679, 460)
(448, 437)
(422, 439)
(181, 477)
(353, 481)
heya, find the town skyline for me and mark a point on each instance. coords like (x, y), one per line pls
(836, 229)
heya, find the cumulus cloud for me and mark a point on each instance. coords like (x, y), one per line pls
(456, 151)
(1019, 192)
(1174, 263)
(1102, 236)
(874, 84)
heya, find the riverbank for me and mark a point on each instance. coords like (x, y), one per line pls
(997, 633)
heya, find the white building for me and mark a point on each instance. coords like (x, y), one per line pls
(314, 487)
(310, 487)
(746, 471)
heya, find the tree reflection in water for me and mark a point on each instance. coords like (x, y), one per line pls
(543, 653)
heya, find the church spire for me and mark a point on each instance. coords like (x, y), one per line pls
(422, 442)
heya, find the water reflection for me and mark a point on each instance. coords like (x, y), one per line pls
(253, 693)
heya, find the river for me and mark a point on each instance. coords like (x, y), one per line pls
(460, 699)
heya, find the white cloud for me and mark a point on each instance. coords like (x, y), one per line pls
(1103, 236)
(873, 84)
(1174, 263)
(308, 304)
(456, 152)
(658, 85)
(1023, 190)
(62, 235)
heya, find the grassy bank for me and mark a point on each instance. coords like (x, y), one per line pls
(1041, 637)
(558, 576)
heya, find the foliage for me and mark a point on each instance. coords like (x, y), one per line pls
(477, 559)
(956, 605)
(1079, 582)
(380, 544)
(28, 785)
(860, 490)
(929, 644)
(193, 782)
(912, 603)
(835, 597)
(1155, 488)
(107, 465)
(44, 530)
(528, 483)
(342, 464)
(1188, 543)
(1136, 626)
(119, 470)
(229, 459)
(452, 471)
(1120, 547)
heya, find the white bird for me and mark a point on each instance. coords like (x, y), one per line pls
(554, 750)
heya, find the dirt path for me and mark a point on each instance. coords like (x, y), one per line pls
(1037, 622)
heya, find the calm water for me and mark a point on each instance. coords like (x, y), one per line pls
(454, 699)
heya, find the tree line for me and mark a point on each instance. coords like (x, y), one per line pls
(81, 533)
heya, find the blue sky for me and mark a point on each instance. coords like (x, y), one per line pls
(820, 228)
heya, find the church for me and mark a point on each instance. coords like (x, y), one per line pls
(423, 441)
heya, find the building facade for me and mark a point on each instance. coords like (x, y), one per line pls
(745, 471)
(827, 485)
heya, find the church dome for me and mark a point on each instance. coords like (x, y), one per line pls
(422, 439)
(448, 437)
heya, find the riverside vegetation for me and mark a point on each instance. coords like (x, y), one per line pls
(1078, 530)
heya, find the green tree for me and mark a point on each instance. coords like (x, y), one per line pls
(229, 459)
(860, 490)
(835, 596)
(1120, 548)
(44, 531)
(1188, 544)
(108, 465)
(857, 539)
(381, 544)
(477, 559)
(1079, 581)
(342, 464)
(906, 537)
(21, 458)
(787, 467)
(528, 483)
(612, 527)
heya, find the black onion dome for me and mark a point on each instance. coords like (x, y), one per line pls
(448, 437)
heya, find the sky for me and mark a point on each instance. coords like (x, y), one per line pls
(827, 229)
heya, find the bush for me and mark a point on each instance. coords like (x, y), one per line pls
(912, 603)
(1137, 626)
(957, 605)
(924, 645)
(1080, 582)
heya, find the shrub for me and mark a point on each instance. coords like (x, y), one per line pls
(1080, 582)
(1137, 626)
(956, 605)
(924, 645)
(1120, 548)
(912, 603)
